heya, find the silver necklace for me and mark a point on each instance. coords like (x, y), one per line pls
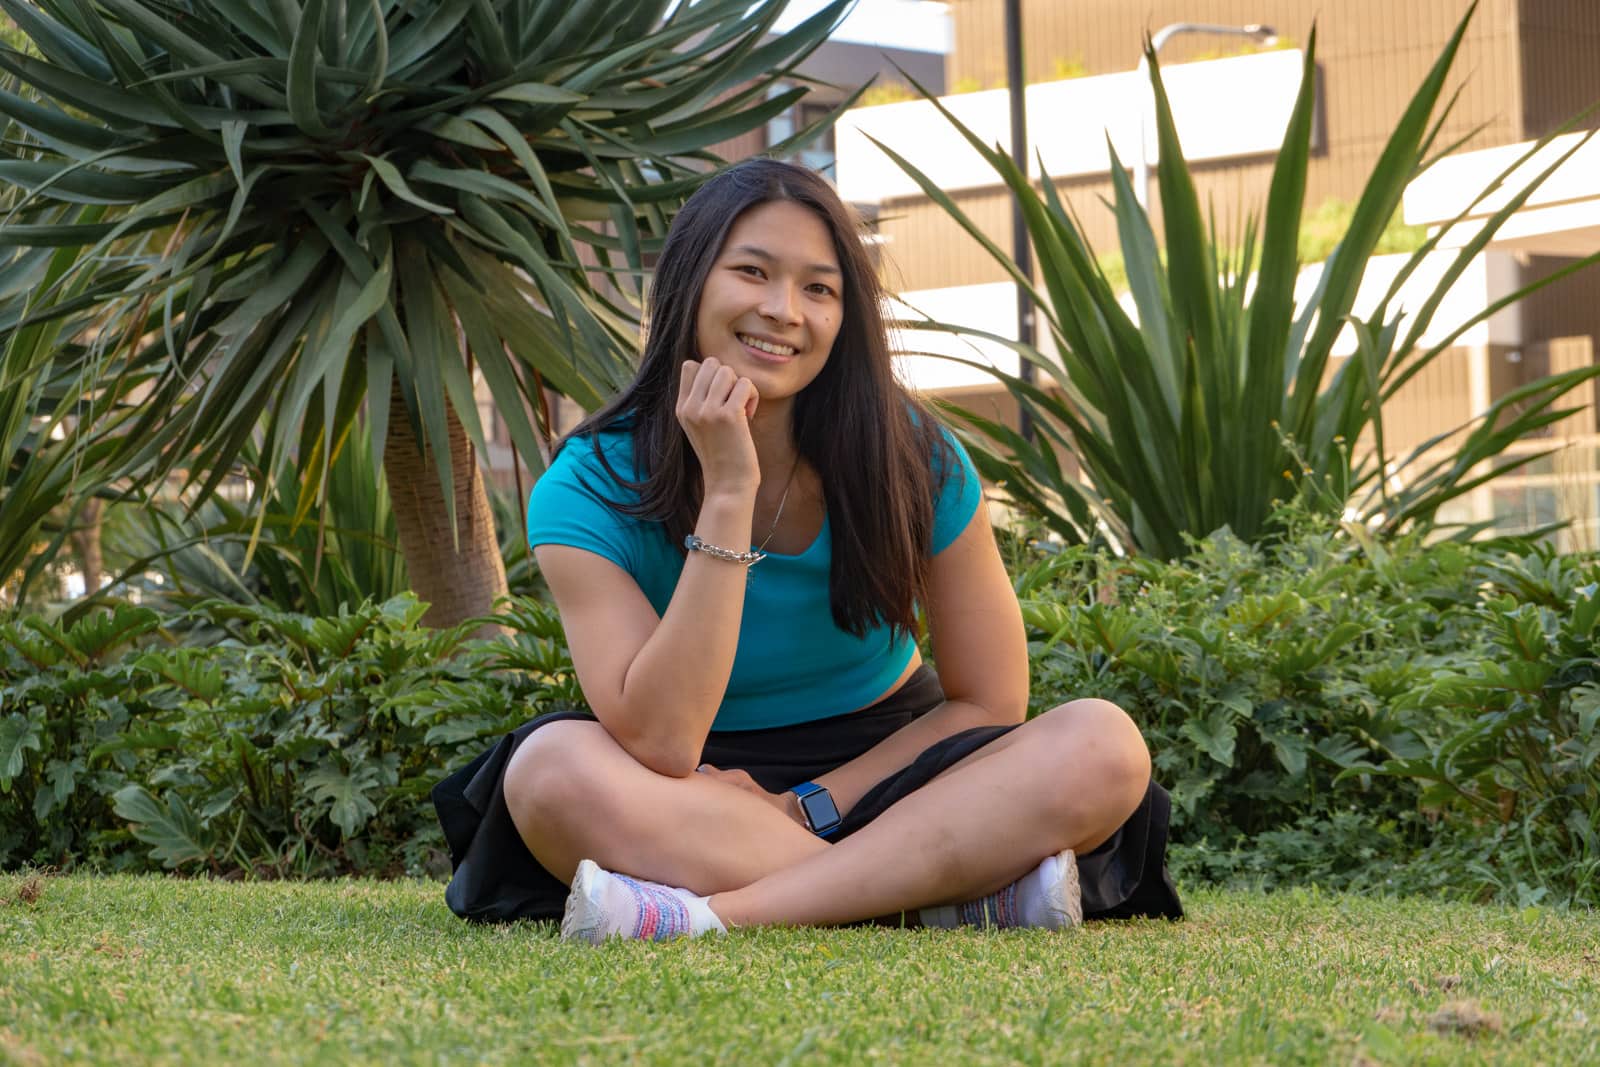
(784, 499)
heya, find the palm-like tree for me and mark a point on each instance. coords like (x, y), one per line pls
(297, 210)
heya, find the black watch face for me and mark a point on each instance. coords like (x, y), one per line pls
(821, 812)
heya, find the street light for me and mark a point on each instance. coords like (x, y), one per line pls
(1263, 35)
(1016, 85)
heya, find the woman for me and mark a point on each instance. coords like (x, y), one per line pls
(738, 546)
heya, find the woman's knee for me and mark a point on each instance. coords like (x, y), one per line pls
(543, 777)
(1111, 757)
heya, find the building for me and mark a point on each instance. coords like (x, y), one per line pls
(1525, 67)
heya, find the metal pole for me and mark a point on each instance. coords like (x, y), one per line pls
(1020, 250)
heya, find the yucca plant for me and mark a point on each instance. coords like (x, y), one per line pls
(309, 209)
(1189, 418)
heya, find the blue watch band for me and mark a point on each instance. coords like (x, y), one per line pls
(817, 807)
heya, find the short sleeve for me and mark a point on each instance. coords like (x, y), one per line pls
(958, 496)
(571, 504)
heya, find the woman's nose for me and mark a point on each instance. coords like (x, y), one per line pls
(781, 303)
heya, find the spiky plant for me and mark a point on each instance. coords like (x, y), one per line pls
(304, 210)
(1187, 417)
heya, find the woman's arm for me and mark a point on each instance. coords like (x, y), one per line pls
(656, 684)
(982, 654)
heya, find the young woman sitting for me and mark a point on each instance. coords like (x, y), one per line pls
(739, 545)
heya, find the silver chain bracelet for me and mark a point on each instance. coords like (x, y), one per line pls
(695, 544)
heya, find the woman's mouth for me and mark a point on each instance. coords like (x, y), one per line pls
(766, 350)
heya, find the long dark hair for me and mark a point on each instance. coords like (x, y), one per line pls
(875, 447)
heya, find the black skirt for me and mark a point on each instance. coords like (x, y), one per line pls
(496, 878)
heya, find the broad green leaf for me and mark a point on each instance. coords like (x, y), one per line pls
(346, 794)
(1215, 735)
(190, 670)
(173, 829)
(92, 636)
(18, 733)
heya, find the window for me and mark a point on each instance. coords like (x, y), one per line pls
(819, 154)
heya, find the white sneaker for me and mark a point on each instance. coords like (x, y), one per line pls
(584, 919)
(1063, 901)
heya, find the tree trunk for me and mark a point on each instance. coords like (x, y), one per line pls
(86, 545)
(456, 584)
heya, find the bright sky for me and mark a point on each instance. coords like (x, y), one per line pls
(920, 25)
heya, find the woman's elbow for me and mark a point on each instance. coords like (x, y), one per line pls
(666, 756)
(669, 762)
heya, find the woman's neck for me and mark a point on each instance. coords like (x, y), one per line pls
(772, 431)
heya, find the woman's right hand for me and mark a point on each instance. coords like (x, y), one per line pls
(714, 409)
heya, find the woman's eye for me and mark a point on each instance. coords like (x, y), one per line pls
(820, 289)
(750, 270)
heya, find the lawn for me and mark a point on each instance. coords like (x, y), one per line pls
(152, 970)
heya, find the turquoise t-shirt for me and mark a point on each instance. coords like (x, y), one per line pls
(793, 664)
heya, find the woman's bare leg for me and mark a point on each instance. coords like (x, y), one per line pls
(1066, 779)
(575, 794)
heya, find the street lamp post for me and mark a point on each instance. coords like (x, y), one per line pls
(1264, 35)
(1016, 85)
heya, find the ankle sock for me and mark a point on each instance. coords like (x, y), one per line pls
(998, 910)
(1046, 896)
(606, 904)
(659, 912)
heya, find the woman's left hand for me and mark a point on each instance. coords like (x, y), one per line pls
(784, 801)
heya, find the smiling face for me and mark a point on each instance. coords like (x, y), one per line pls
(772, 303)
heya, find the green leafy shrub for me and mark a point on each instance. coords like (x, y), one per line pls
(64, 694)
(1324, 706)
(1259, 673)
(1329, 707)
(290, 746)
(1511, 738)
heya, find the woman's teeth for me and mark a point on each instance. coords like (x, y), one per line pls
(776, 350)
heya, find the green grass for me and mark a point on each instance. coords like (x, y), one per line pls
(118, 970)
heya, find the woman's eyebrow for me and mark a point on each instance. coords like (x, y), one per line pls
(767, 257)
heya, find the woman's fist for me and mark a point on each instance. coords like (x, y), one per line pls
(714, 409)
(784, 802)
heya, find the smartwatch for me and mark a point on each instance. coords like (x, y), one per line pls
(817, 808)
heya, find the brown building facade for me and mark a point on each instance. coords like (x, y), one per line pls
(1525, 67)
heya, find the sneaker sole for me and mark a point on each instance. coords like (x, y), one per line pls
(584, 915)
(1065, 899)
